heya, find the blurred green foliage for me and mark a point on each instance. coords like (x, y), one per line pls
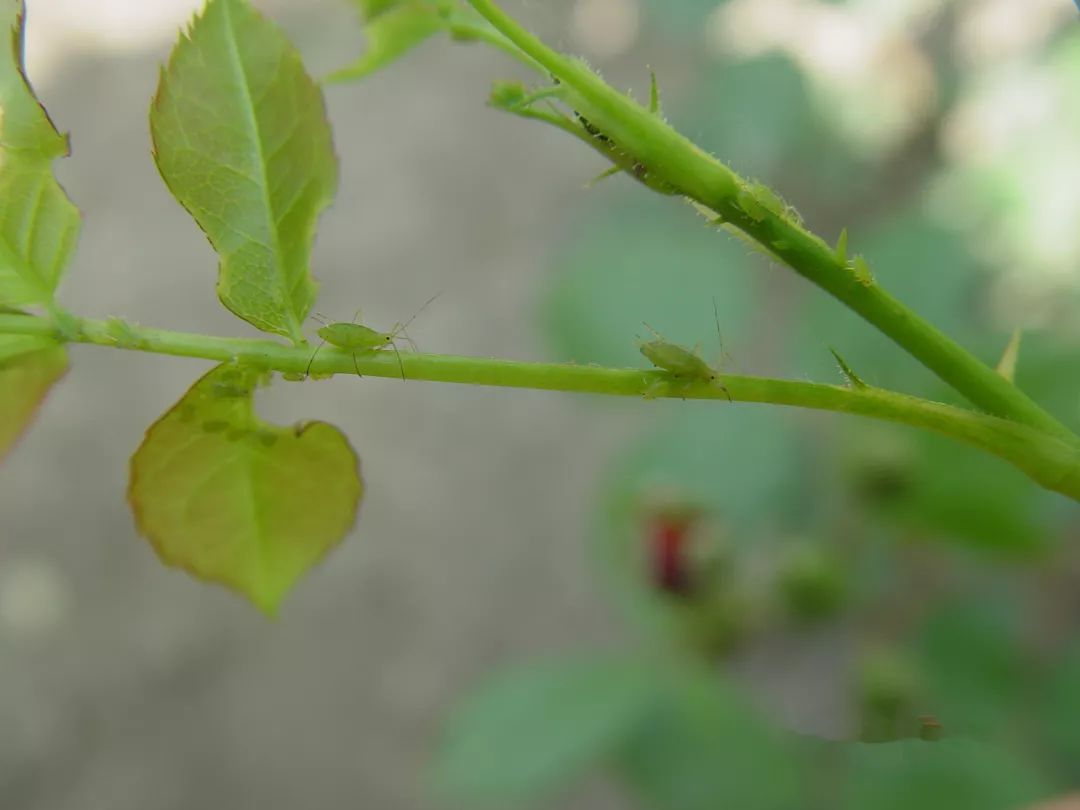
(947, 574)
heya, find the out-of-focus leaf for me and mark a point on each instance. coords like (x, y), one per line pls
(370, 9)
(738, 466)
(704, 748)
(235, 500)
(952, 774)
(1059, 710)
(1044, 372)
(394, 27)
(537, 727)
(397, 29)
(647, 261)
(972, 667)
(29, 366)
(959, 494)
(241, 139)
(38, 223)
(740, 463)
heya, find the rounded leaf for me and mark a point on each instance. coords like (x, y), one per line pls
(235, 500)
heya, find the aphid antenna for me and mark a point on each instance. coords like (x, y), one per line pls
(719, 337)
(425, 306)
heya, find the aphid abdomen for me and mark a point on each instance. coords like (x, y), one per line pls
(677, 361)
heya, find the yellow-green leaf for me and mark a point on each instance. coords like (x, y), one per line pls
(38, 223)
(391, 33)
(234, 500)
(28, 368)
(242, 141)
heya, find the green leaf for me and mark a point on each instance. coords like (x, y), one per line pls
(391, 34)
(235, 500)
(38, 223)
(370, 9)
(704, 748)
(740, 467)
(28, 368)
(974, 667)
(958, 494)
(947, 775)
(1059, 708)
(537, 727)
(241, 139)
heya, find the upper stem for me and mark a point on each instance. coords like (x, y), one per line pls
(668, 156)
(1045, 458)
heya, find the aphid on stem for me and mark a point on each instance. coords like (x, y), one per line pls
(355, 337)
(681, 363)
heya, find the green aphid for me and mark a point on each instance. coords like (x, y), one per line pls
(750, 204)
(123, 334)
(356, 338)
(769, 200)
(679, 362)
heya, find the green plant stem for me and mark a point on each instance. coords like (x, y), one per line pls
(1048, 460)
(669, 157)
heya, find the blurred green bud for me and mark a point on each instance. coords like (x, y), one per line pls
(507, 95)
(889, 686)
(880, 464)
(812, 582)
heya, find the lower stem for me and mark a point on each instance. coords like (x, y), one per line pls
(1048, 460)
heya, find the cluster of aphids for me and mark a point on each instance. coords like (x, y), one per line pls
(636, 168)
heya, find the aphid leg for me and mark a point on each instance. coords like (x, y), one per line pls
(355, 366)
(401, 366)
(723, 388)
(307, 371)
(657, 388)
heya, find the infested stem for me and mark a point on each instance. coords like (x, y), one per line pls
(670, 160)
(1045, 458)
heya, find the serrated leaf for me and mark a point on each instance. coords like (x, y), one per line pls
(28, 368)
(536, 728)
(38, 223)
(234, 500)
(392, 33)
(242, 141)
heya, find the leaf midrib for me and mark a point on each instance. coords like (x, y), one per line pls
(263, 180)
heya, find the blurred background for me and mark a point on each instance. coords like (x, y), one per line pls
(837, 580)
